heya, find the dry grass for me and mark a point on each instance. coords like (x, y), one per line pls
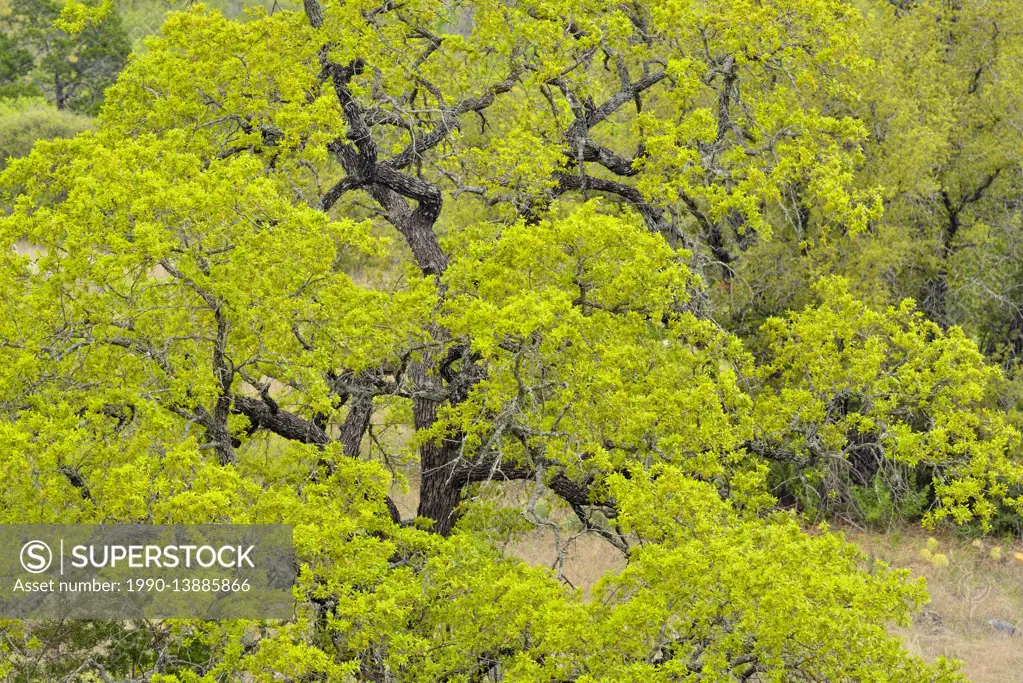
(972, 590)
(587, 558)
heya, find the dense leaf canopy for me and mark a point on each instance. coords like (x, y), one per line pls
(501, 252)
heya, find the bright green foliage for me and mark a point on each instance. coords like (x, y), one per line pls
(693, 130)
(941, 105)
(143, 18)
(580, 369)
(856, 393)
(466, 220)
(735, 587)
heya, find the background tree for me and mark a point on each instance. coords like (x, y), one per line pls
(15, 63)
(945, 145)
(72, 70)
(941, 109)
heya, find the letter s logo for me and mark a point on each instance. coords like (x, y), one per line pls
(36, 557)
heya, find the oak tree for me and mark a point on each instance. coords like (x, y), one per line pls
(469, 243)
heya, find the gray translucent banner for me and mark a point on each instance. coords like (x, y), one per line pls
(133, 571)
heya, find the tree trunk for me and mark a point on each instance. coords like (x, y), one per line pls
(439, 492)
(58, 93)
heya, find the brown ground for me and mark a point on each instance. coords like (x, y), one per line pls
(973, 589)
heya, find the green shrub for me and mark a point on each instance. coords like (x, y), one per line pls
(879, 505)
(25, 120)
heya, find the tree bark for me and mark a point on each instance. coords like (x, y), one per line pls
(356, 424)
(439, 490)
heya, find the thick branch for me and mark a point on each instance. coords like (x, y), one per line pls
(652, 214)
(313, 12)
(75, 478)
(356, 424)
(569, 490)
(266, 415)
(577, 495)
(449, 121)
